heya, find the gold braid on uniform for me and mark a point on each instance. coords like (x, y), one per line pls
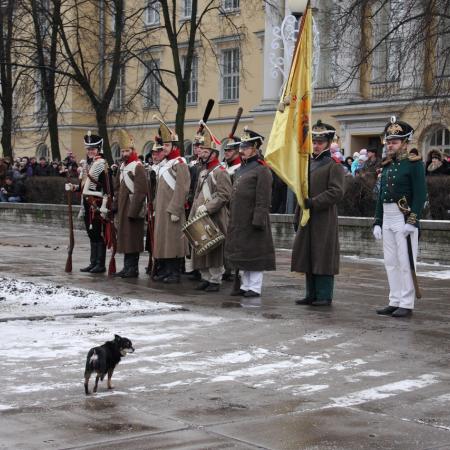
(412, 218)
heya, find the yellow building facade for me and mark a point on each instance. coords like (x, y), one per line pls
(245, 65)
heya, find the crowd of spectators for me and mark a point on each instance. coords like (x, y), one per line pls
(14, 172)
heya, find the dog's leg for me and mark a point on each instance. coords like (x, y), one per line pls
(87, 375)
(110, 374)
(96, 383)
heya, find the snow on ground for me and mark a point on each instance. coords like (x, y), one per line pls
(26, 298)
(441, 274)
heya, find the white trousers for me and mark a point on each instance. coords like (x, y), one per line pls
(188, 264)
(396, 260)
(213, 274)
(251, 281)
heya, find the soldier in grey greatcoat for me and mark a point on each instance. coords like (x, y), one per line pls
(172, 188)
(131, 211)
(316, 246)
(212, 195)
(249, 245)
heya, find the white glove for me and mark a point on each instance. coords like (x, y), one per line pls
(174, 218)
(408, 229)
(68, 186)
(103, 209)
(377, 233)
(201, 209)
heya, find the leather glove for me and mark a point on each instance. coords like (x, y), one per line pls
(174, 218)
(377, 233)
(68, 187)
(201, 209)
(408, 229)
(308, 203)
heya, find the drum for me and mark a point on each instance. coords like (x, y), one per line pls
(203, 234)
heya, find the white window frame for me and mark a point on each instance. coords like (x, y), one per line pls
(187, 9)
(118, 100)
(230, 5)
(230, 77)
(192, 95)
(439, 139)
(152, 89)
(152, 14)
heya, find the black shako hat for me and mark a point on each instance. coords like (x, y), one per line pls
(396, 129)
(322, 131)
(251, 138)
(93, 141)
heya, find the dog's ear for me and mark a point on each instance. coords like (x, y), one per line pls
(117, 338)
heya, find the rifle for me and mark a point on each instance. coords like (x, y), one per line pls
(151, 267)
(237, 278)
(68, 268)
(110, 231)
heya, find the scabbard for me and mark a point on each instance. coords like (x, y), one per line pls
(412, 266)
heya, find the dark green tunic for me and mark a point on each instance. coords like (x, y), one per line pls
(403, 176)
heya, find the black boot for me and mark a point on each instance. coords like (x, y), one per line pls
(387, 311)
(402, 312)
(321, 302)
(174, 270)
(93, 258)
(133, 266)
(101, 257)
(126, 264)
(161, 270)
(304, 301)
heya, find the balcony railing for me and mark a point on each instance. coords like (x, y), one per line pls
(324, 95)
(385, 89)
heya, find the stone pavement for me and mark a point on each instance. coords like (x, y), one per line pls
(221, 374)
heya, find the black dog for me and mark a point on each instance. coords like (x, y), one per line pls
(104, 359)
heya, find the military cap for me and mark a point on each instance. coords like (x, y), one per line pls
(397, 129)
(251, 138)
(322, 131)
(93, 141)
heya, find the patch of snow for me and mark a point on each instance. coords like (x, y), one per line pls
(441, 275)
(320, 335)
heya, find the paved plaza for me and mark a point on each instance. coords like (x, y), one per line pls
(211, 371)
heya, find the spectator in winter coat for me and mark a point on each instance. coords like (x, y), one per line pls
(12, 191)
(42, 169)
(436, 164)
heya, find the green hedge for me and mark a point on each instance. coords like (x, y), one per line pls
(360, 198)
(49, 190)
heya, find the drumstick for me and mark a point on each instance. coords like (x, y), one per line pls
(236, 122)
(208, 109)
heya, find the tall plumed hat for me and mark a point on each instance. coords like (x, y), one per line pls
(323, 131)
(166, 133)
(125, 139)
(209, 139)
(158, 143)
(93, 141)
(250, 138)
(396, 129)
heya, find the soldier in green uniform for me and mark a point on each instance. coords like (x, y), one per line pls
(402, 178)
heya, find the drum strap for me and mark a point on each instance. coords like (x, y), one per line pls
(205, 187)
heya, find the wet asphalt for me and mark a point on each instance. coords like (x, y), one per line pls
(220, 372)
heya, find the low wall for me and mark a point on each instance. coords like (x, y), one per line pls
(355, 232)
(355, 237)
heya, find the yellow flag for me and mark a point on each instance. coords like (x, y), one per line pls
(290, 144)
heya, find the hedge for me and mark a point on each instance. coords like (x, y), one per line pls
(359, 199)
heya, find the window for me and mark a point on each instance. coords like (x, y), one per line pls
(440, 140)
(147, 149)
(40, 101)
(388, 42)
(187, 8)
(443, 48)
(326, 76)
(230, 5)
(230, 74)
(118, 101)
(115, 151)
(151, 91)
(42, 151)
(192, 95)
(152, 13)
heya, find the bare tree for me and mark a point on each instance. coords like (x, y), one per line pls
(192, 34)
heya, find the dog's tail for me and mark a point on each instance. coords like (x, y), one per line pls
(92, 361)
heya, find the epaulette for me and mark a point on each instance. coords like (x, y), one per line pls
(180, 159)
(222, 167)
(414, 158)
(262, 162)
(386, 162)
